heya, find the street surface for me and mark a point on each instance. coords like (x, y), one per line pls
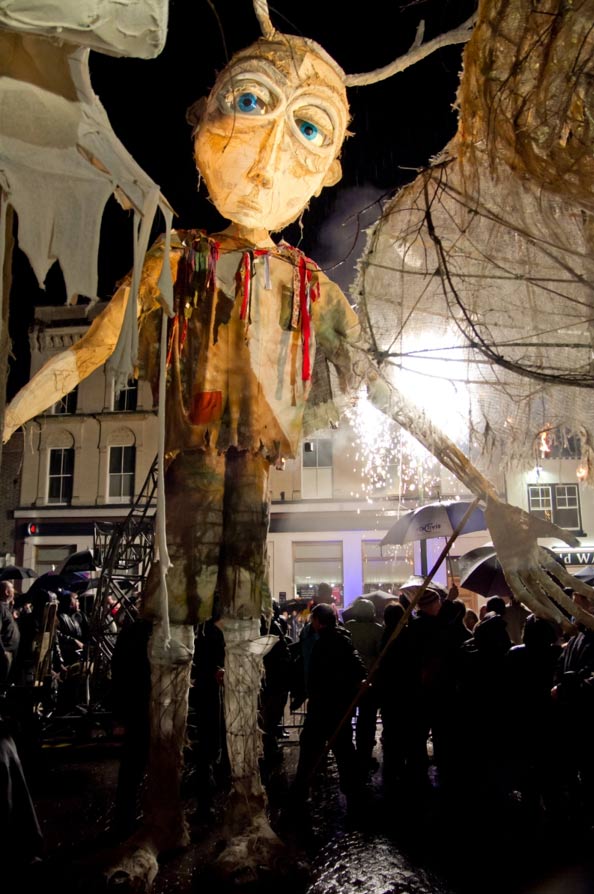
(384, 846)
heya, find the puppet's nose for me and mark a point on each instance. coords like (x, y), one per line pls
(264, 167)
(262, 177)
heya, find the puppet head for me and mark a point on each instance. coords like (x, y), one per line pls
(269, 135)
(272, 128)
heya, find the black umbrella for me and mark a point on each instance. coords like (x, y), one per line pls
(295, 605)
(416, 581)
(55, 581)
(379, 598)
(481, 572)
(84, 560)
(16, 572)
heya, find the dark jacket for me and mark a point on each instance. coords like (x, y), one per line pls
(9, 631)
(574, 675)
(366, 637)
(335, 671)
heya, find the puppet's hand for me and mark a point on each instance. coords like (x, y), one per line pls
(529, 569)
(11, 424)
(55, 379)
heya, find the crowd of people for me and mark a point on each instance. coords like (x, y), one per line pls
(442, 689)
(437, 688)
(419, 695)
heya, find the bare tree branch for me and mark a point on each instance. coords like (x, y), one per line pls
(417, 52)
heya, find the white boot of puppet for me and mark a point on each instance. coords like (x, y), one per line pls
(252, 843)
(164, 827)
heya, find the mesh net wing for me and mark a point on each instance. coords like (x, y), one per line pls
(480, 273)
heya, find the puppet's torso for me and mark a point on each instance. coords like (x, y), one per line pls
(242, 343)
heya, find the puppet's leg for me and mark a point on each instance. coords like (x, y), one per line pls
(194, 486)
(244, 597)
(242, 582)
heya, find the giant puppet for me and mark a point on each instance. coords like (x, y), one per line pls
(232, 362)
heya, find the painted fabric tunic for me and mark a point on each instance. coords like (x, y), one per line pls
(242, 343)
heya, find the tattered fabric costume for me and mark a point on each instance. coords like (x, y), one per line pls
(241, 359)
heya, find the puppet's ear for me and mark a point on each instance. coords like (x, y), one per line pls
(333, 174)
(195, 114)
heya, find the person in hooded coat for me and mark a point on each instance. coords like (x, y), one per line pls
(336, 672)
(366, 635)
(530, 669)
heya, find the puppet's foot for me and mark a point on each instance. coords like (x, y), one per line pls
(134, 870)
(254, 848)
(254, 858)
(135, 865)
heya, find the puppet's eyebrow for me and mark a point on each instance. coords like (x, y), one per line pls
(255, 65)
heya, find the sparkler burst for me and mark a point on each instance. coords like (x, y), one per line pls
(386, 457)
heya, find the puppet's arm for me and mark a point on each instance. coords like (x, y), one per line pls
(65, 370)
(514, 532)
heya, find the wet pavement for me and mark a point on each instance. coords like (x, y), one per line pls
(396, 845)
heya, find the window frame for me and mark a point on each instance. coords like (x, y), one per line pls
(316, 476)
(60, 476)
(336, 546)
(556, 495)
(67, 405)
(122, 475)
(126, 400)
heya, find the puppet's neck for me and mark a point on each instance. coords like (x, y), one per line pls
(235, 235)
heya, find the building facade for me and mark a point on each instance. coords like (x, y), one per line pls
(86, 459)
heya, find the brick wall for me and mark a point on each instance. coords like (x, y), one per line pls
(10, 486)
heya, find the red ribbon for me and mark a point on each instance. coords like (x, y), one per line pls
(246, 263)
(174, 329)
(304, 279)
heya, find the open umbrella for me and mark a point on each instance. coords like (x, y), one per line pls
(379, 598)
(54, 581)
(79, 581)
(83, 560)
(297, 605)
(481, 572)
(415, 581)
(434, 520)
(16, 572)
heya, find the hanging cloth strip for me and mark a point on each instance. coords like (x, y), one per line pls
(306, 289)
(198, 276)
(245, 284)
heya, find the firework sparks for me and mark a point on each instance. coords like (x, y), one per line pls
(387, 457)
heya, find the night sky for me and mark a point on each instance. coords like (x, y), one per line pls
(398, 125)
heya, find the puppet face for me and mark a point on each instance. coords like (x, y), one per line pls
(271, 133)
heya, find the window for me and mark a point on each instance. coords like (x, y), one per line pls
(385, 566)
(314, 563)
(316, 474)
(67, 404)
(122, 461)
(61, 475)
(559, 503)
(126, 400)
(388, 481)
(50, 558)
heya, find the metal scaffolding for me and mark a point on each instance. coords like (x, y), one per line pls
(125, 550)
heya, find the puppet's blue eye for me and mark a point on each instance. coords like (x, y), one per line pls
(248, 103)
(309, 130)
(314, 134)
(246, 97)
